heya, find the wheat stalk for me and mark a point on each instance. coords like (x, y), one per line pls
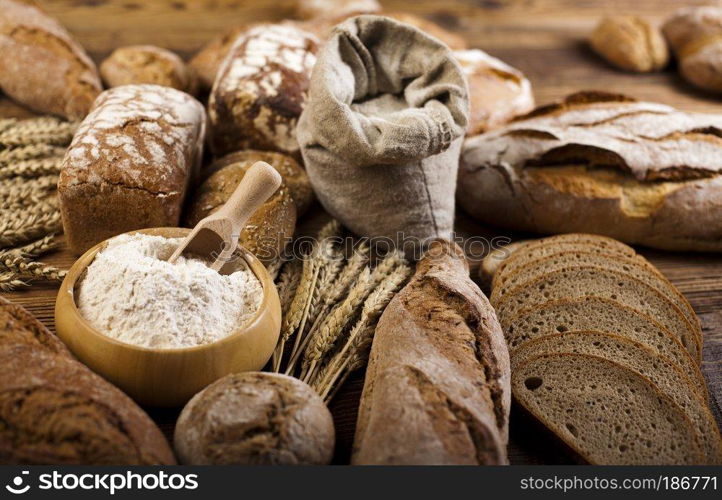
(30, 152)
(45, 130)
(31, 168)
(25, 268)
(21, 228)
(287, 283)
(38, 247)
(10, 281)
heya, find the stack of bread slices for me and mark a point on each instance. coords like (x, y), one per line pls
(605, 352)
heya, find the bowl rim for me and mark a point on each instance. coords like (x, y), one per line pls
(75, 272)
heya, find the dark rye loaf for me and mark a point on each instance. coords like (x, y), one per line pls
(436, 389)
(18, 326)
(55, 411)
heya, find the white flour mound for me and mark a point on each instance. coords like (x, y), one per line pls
(130, 293)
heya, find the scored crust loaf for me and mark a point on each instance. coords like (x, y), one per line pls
(18, 326)
(56, 411)
(436, 388)
(641, 172)
(130, 163)
(147, 64)
(606, 413)
(255, 418)
(497, 92)
(42, 66)
(260, 90)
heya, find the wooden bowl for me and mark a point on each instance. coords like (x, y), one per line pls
(168, 377)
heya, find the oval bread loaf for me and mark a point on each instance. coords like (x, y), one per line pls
(130, 163)
(42, 66)
(208, 59)
(255, 418)
(18, 326)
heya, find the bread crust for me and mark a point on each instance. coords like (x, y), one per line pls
(18, 326)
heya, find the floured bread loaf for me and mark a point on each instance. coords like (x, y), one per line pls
(130, 162)
(640, 172)
(260, 90)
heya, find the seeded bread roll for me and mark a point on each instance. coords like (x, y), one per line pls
(18, 326)
(293, 174)
(130, 163)
(260, 90)
(270, 227)
(255, 418)
(56, 411)
(606, 413)
(42, 66)
(596, 313)
(436, 388)
(662, 372)
(147, 64)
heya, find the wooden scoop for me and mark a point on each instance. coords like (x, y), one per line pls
(216, 237)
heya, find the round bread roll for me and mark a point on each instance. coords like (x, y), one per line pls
(208, 59)
(147, 64)
(293, 174)
(255, 418)
(269, 228)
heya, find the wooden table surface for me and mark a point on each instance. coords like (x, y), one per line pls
(543, 38)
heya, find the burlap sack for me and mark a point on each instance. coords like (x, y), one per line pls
(382, 129)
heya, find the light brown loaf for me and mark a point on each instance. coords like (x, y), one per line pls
(630, 43)
(606, 413)
(147, 64)
(436, 388)
(255, 418)
(582, 281)
(596, 313)
(130, 163)
(640, 172)
(208, 59)
(260, 90)
(42, 66)
(662, 372)
(56, 411)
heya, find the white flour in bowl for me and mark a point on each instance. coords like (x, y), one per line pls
(130, 293)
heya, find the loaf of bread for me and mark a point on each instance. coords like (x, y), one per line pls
(630, 43)
(56, 411)
(147, 64)
(294, 176)
(208, 59)
(497, 92)
(255, 418)
(130, 162)
(437, 384)
(640, 172)
(270, 227)
(695, 35)
(18, 326)
(260, 90)
(41, 65)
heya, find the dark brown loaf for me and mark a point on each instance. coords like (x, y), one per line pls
(255, 418)
(41, 65)
(437, 384)
(18, 326)
(130, 163)
(56, 411)
(260, 90)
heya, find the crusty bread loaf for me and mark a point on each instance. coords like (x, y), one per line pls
(41, 65)
(661, 371)
(293, 174)
(147, 64)
(595, 313)
(497, 92)
(641, 172)
(270, 227)
(260, 90)
(255, 418)
(208, 59)
(606, 413)
(630, 43)
(18, 326)
(581, 281)
(130, 163)
(436, 389)
(56, 411)
(637, 267)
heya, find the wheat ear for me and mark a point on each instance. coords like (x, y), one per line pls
(31, 168)
(28, 269)
(10, 281)
(18, 229)
(38, 247)
(30, 152)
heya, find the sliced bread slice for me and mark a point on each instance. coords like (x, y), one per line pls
(637, 267)
(606, 413)
(490, 264)
(596, 313)
(661, 371)
(582, 281)
(536, 249)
